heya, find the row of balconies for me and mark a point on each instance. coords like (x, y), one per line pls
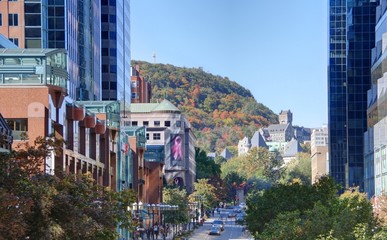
(89, 120)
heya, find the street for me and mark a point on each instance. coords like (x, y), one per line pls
(231, 229)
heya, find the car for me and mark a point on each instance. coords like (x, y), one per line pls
(215, 230)
(232, 214)
(218, 223)
(243, 205)
(240, 219)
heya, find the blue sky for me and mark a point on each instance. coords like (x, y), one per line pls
(276, 49)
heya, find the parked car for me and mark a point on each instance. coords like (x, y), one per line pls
(218, 223)
(215, 230)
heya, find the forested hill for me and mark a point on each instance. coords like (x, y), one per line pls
(220, 110)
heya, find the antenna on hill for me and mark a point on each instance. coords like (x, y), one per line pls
(154, 57)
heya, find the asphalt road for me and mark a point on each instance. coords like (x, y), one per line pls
(231, 229)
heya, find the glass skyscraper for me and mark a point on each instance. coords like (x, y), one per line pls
(351, 38)
(116, 55)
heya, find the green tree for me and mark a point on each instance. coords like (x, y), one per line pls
(206, 192)
(205, 166)
(299, 168)
(175, 196)
(41, 206)
(296, 211)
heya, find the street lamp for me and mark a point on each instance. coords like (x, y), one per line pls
(191, 214)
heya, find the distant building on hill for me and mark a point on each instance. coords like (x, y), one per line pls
(282, 137)
(244, 146)
(258, 140)
(226, 154)
(285, 117)
(291, 149)
(211, 155)
(302, 134)
(281, 132)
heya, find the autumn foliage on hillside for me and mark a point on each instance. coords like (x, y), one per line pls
(220, 110)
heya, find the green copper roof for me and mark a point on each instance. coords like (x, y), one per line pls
(164, 106)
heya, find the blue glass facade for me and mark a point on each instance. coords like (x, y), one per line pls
(116, 55)
(351, 38)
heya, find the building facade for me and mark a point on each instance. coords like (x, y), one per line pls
(6, 138)
(319, 153)
(170, 142)
(351, 38)
(72, 25)
(115, 51)
(244, 146)
(141, 89)
(375, 138)
(38, 79)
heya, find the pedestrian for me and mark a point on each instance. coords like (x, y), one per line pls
(156, 230)
(148, 233)
(167, 230)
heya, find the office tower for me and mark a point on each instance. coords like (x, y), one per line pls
(351, 38)
(73, 25)
(115, 34)
(376, 138)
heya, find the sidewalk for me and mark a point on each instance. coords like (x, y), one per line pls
(205, 224)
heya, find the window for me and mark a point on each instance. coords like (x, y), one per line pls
(1, 19)
(104, 17)
(104, 2)
(145, 123)
(156, 136)
(167, 123)
(113, 85)
(113, 52)
(13, 19)
(32, 19)
(147, 136)
(105, 84)
(157, 123)
(134, 123)
(105, 68)
(32, 8)
(18, 124)
(112, 18)
(15, 41)
(105, 34)
(36, 33)
(113, 35)
(134, 84)
(105, 51)
(134, 95)
(113, 68)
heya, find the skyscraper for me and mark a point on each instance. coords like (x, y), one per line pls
(376, 137)
(351, 38)
(116, 56)
(73, 25)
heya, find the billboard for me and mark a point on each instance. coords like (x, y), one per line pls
(177, 150)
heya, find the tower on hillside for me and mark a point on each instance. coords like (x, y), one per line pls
(285, 117)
